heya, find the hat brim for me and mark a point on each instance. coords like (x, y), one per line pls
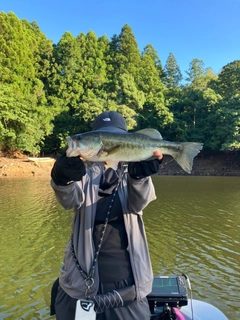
(110, 129)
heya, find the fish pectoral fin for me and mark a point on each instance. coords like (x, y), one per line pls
(112, 150)
(112, 164)
(152, 133)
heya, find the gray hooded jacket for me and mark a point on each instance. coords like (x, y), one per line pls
(82, 196)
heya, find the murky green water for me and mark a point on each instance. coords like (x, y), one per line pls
(193, 227)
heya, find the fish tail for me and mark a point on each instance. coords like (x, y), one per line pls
(187, 154)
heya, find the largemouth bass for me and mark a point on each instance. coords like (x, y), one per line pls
(102, 146)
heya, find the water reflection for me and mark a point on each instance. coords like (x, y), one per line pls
(32, 243)
(193, 227)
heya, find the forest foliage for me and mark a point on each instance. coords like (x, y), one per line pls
(50, 91)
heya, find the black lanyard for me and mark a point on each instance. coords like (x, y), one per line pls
(89, 278)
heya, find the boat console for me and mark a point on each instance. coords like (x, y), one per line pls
(167, 292)
(169, 301)
(169, 289)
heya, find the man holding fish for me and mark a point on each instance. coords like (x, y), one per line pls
(107, 271)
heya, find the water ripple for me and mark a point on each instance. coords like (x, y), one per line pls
(34, 231)
(193, 227)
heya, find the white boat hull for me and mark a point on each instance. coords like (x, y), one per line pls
(201, 311)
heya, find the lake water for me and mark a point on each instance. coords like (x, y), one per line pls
(193, 227)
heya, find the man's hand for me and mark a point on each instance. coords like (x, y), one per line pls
(158, 154)
(67, 170)
(142, 169)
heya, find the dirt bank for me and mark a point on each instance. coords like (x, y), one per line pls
(205, 164)
(219, 164)
(21, 167)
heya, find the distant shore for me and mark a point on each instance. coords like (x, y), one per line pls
(219, 164)
(21, 168)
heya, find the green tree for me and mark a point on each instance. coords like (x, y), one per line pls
(224, 125)
(24, 52)
(151, 52)
(128, 54)
(23, 125)
(77, 83)
(154, 112)
(228, 84)
(173, 75)
(199, 77)
(193, 105)
(24, 107)
(195, 72)
(123, 57)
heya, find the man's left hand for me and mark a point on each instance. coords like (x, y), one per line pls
(142, 169)
(158, 154)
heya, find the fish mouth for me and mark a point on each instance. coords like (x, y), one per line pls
(71, 143)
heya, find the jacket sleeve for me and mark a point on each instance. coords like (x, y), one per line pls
(70, 196)
(140, 193)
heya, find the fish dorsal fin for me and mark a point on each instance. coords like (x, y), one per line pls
(152, 133)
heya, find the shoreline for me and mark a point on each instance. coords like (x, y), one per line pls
(215, 164)
(23, 168)
(219, 164)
